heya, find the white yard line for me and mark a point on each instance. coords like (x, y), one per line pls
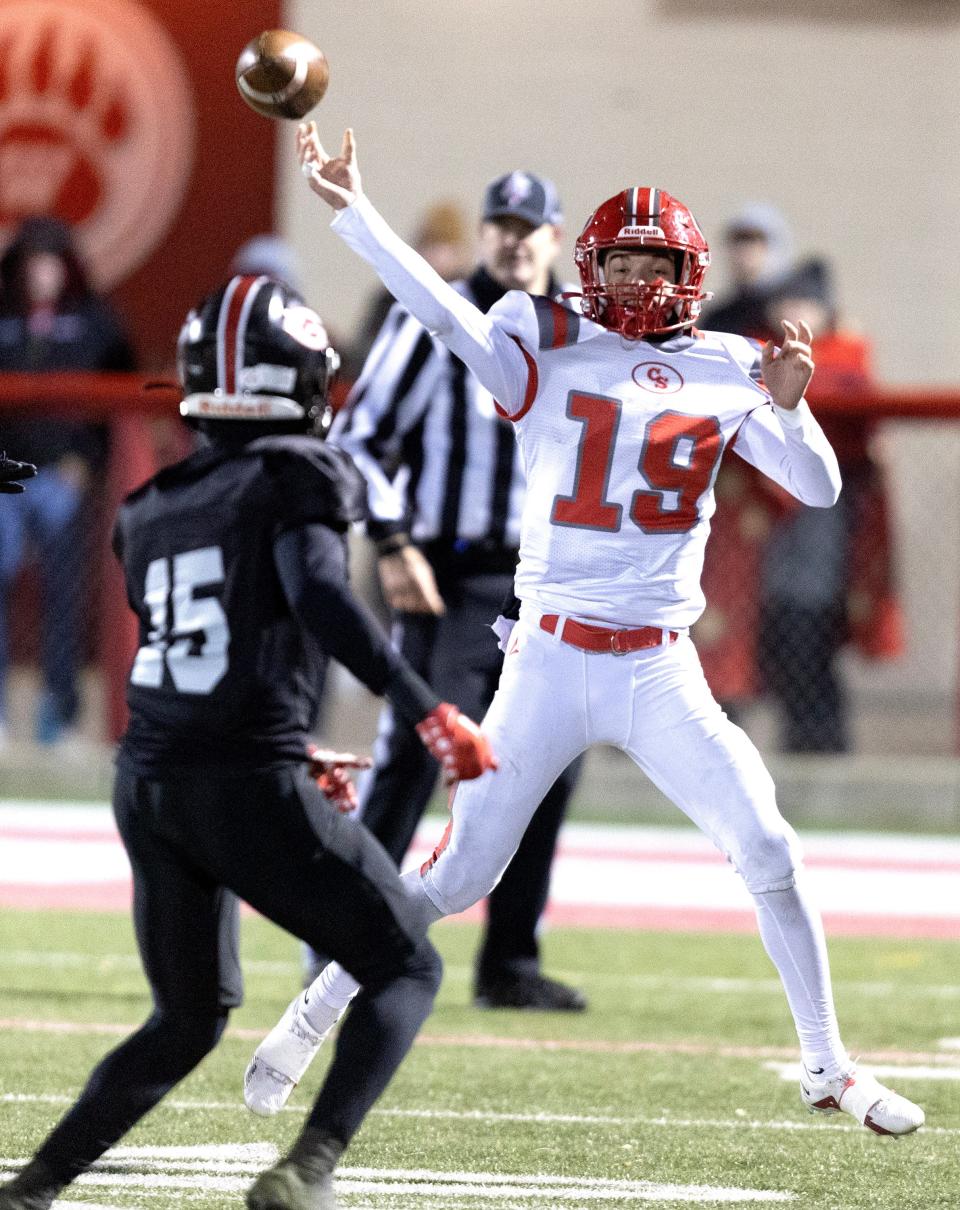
(695, 984)
(495, 1042)
(791, 1071)
(233, 1176)
(59, 1205)
(740, 1120)
(84, 960)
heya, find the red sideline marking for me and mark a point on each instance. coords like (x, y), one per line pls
(725, 920)
(75, 897)
(581, 852)
(839, 861)
(103, 836)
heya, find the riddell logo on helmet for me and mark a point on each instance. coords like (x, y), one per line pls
(641, 233)
(83, 136)
(227, 408)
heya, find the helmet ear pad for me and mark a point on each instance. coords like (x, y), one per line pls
(253, 352)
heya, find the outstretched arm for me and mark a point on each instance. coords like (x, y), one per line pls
(311, 565)
(493, 356)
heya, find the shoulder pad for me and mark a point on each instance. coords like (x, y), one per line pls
(744, 350)
(515, 315)
(197, 463)
(314, 482)
(542, 323)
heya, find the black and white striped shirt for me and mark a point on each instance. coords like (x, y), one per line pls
(439, 463)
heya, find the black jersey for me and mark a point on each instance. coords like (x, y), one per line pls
(224, 673)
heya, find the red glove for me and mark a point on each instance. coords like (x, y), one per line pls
(457, 742)
(330, 771)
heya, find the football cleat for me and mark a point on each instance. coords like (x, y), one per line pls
(12, 1199)
(283, 1187)
(534, 992)
(303, 1179)
(280, 1060)
(864, 1098)
(33, 1188)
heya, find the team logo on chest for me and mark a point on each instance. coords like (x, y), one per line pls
(657, 377)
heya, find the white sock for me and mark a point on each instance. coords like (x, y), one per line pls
(792, 934)
(326, 999)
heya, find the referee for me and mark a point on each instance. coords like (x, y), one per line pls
(445, 491)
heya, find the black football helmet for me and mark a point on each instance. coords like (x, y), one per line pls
(254, 352)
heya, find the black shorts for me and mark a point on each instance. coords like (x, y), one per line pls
(198, 842)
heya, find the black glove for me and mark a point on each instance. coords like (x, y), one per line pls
(11, 472)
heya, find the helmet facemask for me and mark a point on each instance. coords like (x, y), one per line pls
(638, 309)
(643, 220)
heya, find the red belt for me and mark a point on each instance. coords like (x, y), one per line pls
(600, 638)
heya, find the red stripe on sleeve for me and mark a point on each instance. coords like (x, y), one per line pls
(533, 385)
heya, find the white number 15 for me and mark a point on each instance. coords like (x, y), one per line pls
(194, 648)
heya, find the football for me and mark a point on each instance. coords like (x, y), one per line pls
(281, 74)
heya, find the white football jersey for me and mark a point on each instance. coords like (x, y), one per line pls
(621, 444)
(621, 440)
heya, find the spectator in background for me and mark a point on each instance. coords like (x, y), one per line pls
(270, 255)
(757, 250)
(758, 254)
(51, 319)
(806, 617)
(787, 635)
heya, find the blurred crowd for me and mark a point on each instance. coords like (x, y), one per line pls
(52, 320)
(789, 587)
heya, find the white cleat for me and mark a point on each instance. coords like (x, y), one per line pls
(280, 1060)
(864, 1098)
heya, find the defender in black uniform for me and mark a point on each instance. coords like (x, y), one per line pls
(235, 563)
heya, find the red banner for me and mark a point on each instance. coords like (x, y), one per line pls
(123, 118)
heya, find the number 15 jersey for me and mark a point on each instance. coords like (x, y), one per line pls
(620, 440)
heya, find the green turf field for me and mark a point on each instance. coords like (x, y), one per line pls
(666, 1092)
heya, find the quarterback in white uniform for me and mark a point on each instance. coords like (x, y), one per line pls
(622, 412)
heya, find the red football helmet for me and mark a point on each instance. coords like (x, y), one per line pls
(648, 219)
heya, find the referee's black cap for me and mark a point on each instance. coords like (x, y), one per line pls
(523, 195)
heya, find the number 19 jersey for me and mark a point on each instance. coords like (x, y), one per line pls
(621, 442)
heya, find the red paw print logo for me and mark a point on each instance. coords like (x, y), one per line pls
(96, 125)
(53, 158)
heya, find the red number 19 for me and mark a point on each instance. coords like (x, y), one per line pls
(679, 456)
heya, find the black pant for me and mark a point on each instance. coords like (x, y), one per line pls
(458, 655)
(196, 842)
